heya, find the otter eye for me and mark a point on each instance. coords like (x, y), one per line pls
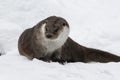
(63, 24)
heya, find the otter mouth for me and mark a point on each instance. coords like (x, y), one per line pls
(51, 36)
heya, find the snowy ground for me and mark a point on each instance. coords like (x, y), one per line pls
(93, 23)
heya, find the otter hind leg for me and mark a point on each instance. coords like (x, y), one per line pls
(101, 56)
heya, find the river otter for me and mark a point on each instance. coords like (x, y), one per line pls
(49, 41)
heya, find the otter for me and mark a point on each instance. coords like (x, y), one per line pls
(49, 41)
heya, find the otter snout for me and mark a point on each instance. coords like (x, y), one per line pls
(49, 35)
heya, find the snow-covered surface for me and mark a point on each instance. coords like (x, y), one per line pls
(93, 23)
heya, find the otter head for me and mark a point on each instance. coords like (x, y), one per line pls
(54, 31)
(54, 26)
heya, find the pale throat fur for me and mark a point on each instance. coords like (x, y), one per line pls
(50, 45)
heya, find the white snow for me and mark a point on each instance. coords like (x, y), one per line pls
(93, 23)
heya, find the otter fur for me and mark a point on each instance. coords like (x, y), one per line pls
(49, 41)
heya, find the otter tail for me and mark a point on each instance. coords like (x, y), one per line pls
(101, 56)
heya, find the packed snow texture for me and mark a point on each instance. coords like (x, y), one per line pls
(93, 23)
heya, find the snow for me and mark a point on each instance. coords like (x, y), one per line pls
(93, 23)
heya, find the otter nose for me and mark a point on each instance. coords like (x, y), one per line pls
(49, 35)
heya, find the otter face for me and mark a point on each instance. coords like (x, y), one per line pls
(54, 32)
(54, 26)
